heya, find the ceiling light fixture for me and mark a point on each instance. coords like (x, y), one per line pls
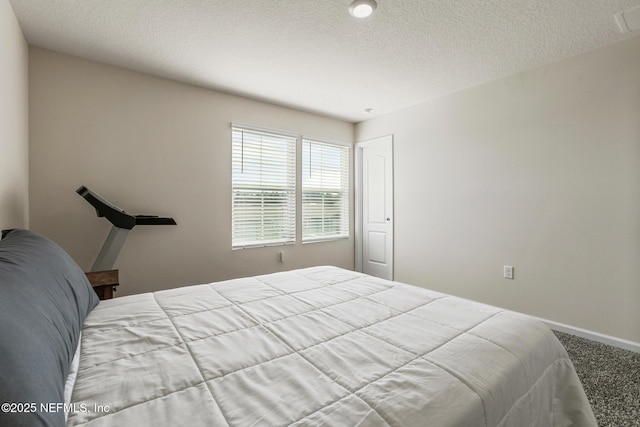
(362, 8)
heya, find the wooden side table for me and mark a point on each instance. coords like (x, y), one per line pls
(104, 282)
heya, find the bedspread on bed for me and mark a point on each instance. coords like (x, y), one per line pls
(319, 346)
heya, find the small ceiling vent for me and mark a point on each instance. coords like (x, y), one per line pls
(629, 20)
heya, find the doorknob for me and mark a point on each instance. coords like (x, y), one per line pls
(388, 219)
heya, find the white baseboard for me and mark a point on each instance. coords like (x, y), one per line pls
(594, 336)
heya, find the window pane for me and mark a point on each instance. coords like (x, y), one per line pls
(263, 177)
(325, 191)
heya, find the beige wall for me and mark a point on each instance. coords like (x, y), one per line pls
(14, 127)
(540, 170)
(152, 146)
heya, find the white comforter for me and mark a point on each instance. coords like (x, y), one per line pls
(319, 346)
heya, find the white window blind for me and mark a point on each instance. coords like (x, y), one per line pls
(264, 188)
(325, 191)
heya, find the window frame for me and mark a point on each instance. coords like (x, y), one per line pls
(345, 190)
(289, 189)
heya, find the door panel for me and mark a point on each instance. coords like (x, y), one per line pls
(375, 185)
(377, 246)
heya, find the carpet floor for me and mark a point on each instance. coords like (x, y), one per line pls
(610, 377)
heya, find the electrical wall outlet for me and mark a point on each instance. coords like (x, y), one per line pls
(281, 256)
(508, 272)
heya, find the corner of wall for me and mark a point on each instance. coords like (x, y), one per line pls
(14, 121)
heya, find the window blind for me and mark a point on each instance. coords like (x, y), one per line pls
(264, 188)
(325, 191)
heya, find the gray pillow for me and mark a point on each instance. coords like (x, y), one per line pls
(44, 299)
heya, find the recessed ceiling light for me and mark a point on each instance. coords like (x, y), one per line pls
(362, 8)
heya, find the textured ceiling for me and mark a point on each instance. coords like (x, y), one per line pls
(312, 55)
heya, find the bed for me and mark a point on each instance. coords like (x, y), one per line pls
(319, 346)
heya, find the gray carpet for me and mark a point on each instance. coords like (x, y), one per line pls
(611, 378)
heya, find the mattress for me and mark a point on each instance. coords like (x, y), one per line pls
(320, 346)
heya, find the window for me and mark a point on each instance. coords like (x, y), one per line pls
(325, 191)
(264, 188)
